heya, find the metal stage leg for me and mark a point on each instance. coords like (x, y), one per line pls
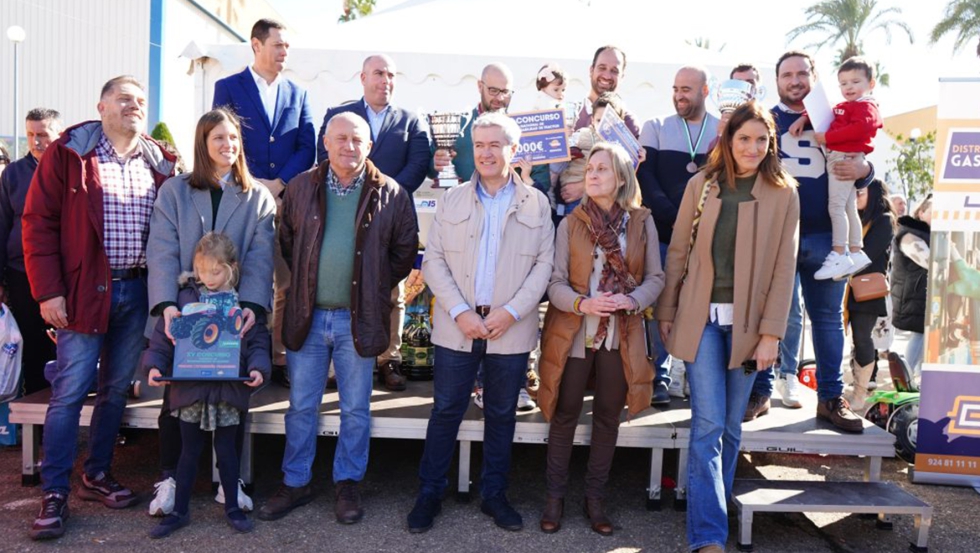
(872, 473)
(745, 529)
(465, 453)
(30, 471)
(922, 524)
(680, 492)
(656, 476)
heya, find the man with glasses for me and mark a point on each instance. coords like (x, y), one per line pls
(496, 86)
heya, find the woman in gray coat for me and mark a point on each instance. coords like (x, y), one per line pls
(218, 195)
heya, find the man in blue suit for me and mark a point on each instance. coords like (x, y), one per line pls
(401, 151)
(277, 136)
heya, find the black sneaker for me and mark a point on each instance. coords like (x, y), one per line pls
(284, 501)
(503, 514)
(170, 524)
(50, 522)
(104, 488)
(427, 508)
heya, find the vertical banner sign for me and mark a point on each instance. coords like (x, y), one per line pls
(948, 448)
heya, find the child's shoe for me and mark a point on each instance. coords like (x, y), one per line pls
(170, 524)
(835, 265)
(238, 521)
(860, 260)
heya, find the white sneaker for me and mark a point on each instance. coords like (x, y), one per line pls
(244, 501)
(678, 378)
(860, 260)
(524, 401)
(163, 497)
(788, 387)
(835, 265)
(478, 397)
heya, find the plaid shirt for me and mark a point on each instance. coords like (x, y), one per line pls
(128, 193)
(334, 185)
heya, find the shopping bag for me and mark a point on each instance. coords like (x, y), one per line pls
(11, 352)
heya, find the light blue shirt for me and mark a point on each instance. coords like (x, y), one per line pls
(375, 119)
(494, 214)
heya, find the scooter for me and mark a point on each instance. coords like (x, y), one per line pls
(897, 411)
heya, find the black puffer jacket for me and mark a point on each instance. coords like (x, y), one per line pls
(909, 280)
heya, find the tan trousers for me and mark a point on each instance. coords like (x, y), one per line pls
(393, 353)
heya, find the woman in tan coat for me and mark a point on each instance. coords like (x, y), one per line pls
(607, 270)
(726, 301)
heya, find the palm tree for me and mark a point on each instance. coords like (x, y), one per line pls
(356, 8)
(963, 17)
(849, 21)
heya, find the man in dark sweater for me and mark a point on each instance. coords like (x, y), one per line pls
(676, 146)
(43, 127)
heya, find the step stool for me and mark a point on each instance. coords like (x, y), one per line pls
(787, 496)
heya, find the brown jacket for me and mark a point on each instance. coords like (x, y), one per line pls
(573, 268)
(385, 245)
(765, 267)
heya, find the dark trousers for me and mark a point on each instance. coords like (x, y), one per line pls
(607, 405)
(192, 440)
(170, 439)
(861, 326)
(38, 348)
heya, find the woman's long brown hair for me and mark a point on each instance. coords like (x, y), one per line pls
(203, 176)
(721, 162)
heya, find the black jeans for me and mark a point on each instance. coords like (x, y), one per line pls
(38, 348)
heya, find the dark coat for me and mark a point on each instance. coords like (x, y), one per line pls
(64, 225)
(386, 238)
(14, 183)
(878, 246)
(256, 347)
(401, 149)
(909, 280)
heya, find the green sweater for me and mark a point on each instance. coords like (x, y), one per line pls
(336, 267)
(723, 244)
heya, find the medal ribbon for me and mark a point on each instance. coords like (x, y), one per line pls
(692, 147)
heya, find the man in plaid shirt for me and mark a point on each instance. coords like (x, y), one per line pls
(85, 225)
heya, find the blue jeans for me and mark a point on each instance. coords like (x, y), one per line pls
(913, 352)
(503, 378)
(329, 339)
(661, 366)
(719, 397)
(824, 301)
(789, 347)
(79, 367)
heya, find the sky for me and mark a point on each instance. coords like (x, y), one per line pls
(753, 31)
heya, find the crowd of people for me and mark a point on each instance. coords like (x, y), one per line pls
(721, 232)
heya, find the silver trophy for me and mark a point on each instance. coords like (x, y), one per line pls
(445, 128)
(732, 93)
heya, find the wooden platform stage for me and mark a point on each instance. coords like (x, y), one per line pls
(404, 415)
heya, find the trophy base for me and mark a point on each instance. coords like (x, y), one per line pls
(447, 178)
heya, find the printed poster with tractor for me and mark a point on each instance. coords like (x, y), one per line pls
(208, 335)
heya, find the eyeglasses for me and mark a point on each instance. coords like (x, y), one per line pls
(494, 91)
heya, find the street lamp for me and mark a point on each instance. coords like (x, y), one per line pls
(16, 34)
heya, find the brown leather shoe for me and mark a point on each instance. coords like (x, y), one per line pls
(285, 500)
(348, 507)
(839, 413)
(596, 514)
(551, 517)
(758, 406)
(390, 374)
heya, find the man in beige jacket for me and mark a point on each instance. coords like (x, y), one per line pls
(488, 260)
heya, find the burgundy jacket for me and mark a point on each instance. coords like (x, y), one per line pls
(386, 239)
(63, 225)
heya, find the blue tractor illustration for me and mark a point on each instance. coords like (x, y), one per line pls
(204, 323)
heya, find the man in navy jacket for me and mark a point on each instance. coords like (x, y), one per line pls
(277, 135)
(400, 150)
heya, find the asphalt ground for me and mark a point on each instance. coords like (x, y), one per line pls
(388, 493)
